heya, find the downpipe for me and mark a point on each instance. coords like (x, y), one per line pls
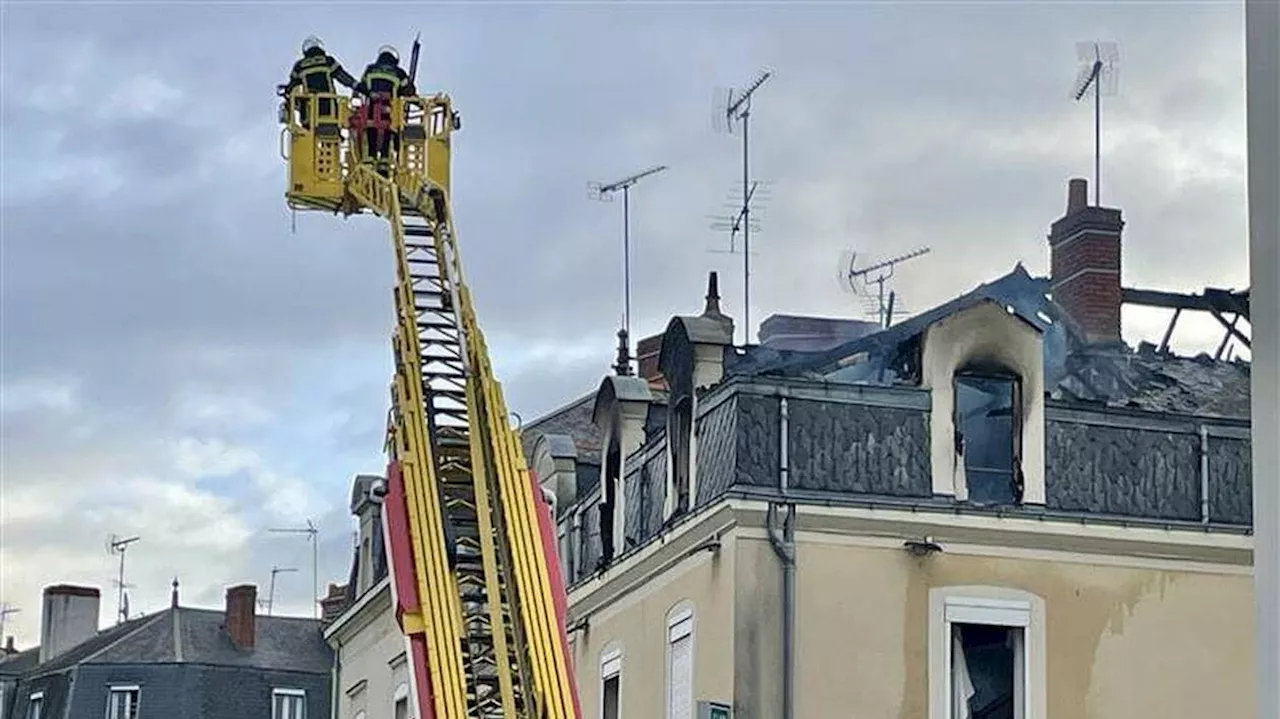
(782, 539)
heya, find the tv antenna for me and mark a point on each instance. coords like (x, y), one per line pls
(118, 545)
(271, 592)
(738, 110)
(5, 610)
(1098, 70)
(856, 280)
(605, 193)
(757, 194)
(312, 532)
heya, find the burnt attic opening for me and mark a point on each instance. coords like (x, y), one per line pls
(682, 430)
(611, 485)
(988, 425)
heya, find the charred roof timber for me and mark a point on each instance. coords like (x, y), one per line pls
(1216, 302)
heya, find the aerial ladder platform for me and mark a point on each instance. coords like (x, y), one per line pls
(477, 585)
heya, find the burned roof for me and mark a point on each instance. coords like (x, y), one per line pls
(1113, 376)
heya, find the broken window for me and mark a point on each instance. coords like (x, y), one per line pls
(679, 437)
(986, 672)
(988, 435)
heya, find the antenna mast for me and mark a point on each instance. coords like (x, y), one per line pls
(1097, 71)
(271, 592)
(605, 193)
(5, 610)
(311, 531)
(116, 545)
(739, 108)
(884, 306)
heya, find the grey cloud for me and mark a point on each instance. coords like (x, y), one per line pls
(884, 128)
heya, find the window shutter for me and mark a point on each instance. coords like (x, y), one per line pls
(680, 695)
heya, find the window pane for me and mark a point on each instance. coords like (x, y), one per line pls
(984, 419)
(611, 699)
(984, 671)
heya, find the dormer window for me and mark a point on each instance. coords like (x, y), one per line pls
(988, 429)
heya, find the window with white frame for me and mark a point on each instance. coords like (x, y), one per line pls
(611, 684)
(400, 701)
(680, 663)
(986, 654)
(35, 705)
(288, 704)
(122, 702)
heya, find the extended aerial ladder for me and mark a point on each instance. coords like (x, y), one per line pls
(476, 578)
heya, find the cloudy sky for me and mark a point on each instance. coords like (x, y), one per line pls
(179, 365)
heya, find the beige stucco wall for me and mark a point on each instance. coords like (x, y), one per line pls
(637, 623)
(1121, 641)
(372, 652)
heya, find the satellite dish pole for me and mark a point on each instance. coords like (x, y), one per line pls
(1097, 71)
(116, 545)
(738, 107)
(605, 193)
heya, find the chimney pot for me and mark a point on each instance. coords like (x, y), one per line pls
(8, 645)
(1077, 195)
(242, 602)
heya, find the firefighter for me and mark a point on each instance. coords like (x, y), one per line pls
(315, 71)
(382, 81)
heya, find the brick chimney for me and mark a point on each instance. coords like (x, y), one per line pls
(647, 351)
(242, 602)
(1084, 265)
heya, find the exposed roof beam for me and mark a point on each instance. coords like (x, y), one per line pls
(1211, 300)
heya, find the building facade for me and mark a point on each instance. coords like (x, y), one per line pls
(992, 509)
(180, 662)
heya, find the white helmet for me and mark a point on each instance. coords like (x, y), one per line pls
(311, 42)
(390, 50)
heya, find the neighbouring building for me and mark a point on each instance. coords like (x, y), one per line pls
(992, 509)
(179, 662)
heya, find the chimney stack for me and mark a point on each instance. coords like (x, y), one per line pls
(69, 617)
(1084, 265)
(242, 602)
(647, 351)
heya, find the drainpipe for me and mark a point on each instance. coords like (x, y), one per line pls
(1204, 474)
(336, 689)
(784, 546)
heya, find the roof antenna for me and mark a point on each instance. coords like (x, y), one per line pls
(271, 592)
(856, 280)
(1098, 69)
(605, 193)
(116, 545)
(738, 109)
(312, 532)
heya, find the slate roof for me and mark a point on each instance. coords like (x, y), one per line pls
(197, 636)
(573, 420)
(1115, 376)
(20, 663)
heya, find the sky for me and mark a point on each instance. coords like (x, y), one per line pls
(179, 362)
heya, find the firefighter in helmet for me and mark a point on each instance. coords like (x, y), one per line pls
(315, 71)
(382, 81)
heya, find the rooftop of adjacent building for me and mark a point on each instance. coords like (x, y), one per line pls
(180, 634)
